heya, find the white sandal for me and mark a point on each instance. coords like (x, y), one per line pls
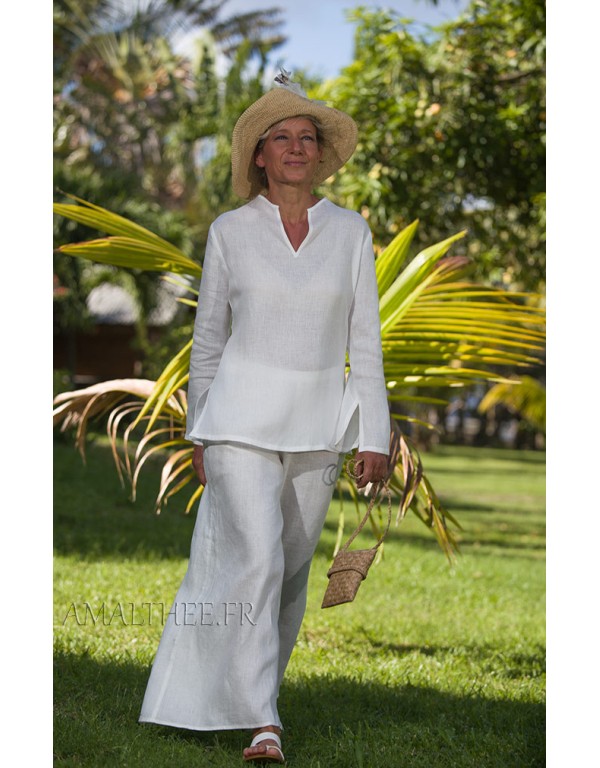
(263, 736)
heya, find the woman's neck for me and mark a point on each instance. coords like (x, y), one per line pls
(293, 202)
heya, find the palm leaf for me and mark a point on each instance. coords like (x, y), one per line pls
(78, 407)
(180, 462)
(130, 245)
(174, 376)
(99, 218)
(411, 282)
(390, 260)
(526, 397)
(132, 254)
(443, 331)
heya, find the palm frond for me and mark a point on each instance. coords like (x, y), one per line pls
(129, 245)
(169, 384)
(412, 281)
(130, 451)
(526, 397)
(390, 260)
(444, 331)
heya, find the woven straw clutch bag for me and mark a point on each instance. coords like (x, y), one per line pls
(350, 568)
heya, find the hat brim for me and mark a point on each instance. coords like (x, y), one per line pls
(340, 136)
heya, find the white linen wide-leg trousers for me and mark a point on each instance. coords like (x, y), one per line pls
(231, 630)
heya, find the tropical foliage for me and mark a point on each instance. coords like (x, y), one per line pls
(525, 396)
(143, 125)
(452, 127)
(438, 330)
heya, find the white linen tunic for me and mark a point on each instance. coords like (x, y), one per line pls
(272, 330)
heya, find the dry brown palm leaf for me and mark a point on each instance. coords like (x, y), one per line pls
(76, 408)
(180, 462)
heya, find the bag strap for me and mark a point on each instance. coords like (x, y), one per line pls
(377, 489)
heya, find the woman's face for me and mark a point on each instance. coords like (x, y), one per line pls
(290, 153)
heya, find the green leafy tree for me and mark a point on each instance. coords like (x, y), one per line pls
(127, 105)
(438, 330)
(452, 129)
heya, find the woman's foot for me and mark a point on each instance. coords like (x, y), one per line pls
(265, 746)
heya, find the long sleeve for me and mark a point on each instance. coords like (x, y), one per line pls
(211, 329)
(366, 358)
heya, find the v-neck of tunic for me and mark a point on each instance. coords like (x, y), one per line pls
(277, 212)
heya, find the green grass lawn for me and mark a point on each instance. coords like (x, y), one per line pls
(432, 666)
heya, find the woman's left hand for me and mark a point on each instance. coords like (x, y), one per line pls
(370, 467)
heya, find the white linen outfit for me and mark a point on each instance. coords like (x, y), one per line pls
(269, 399)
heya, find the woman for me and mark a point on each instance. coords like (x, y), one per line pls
(288, 287)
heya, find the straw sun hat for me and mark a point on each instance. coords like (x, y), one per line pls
(286, 100)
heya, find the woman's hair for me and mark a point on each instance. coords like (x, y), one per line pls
(263, 137)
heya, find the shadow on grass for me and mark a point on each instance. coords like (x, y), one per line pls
(490, 454)
(502, 663)
(523, 539)
(330, 721)
(477, 470)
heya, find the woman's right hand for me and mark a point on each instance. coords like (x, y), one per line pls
(198, 463)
